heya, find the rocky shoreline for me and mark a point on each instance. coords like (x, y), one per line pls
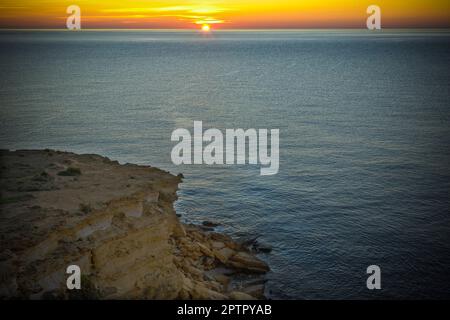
(118, 224)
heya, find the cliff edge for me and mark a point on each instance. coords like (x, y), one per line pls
(118, 224)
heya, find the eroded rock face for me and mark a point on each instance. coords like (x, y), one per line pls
(116, 222)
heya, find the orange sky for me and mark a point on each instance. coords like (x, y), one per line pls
(223, 14)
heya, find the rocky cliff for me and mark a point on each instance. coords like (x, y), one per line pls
(118, 224)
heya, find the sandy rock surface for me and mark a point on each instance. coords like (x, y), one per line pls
(116, 222)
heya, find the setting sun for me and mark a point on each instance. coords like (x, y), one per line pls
(206, 28)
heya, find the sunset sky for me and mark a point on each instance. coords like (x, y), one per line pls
(224, 14)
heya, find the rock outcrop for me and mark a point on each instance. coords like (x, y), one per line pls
(118, 224)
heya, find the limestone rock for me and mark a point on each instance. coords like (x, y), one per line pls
(256, 291)
(248, 262)
(236, 295)
(117, 223)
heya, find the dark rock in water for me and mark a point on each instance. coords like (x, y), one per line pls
(254, 245)
(261, 247)
(249, 242)
(205, 228)
(210, 224)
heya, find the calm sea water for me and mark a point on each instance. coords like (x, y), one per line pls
(364, 123)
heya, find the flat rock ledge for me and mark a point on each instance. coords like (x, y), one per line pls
(118, 224)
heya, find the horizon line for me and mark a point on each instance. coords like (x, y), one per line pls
(225, 29)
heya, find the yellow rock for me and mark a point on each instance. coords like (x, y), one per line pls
(237, 295)
(116, 222)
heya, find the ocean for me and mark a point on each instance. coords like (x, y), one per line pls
(364, 120)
